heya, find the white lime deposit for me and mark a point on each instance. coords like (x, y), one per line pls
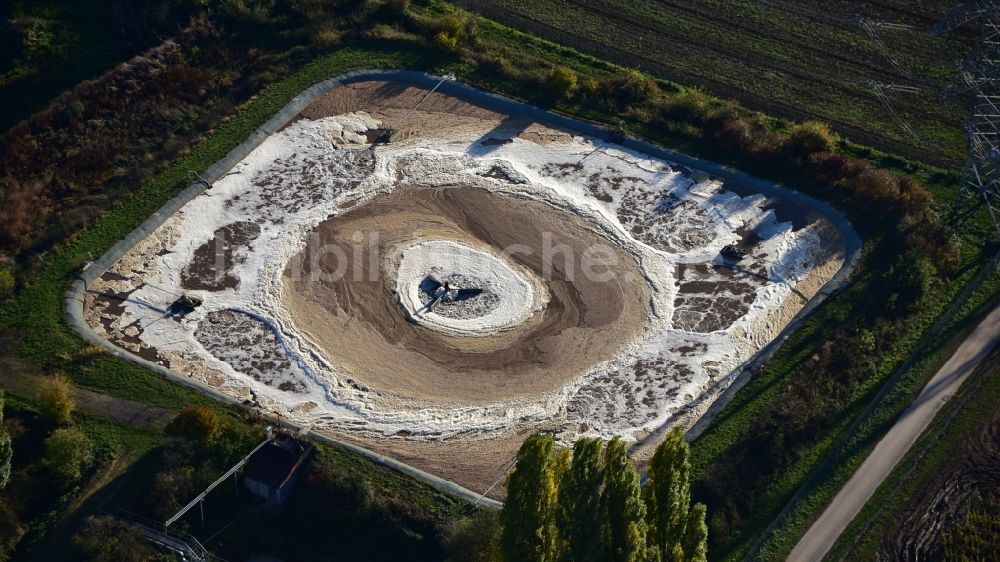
(708, 317)
(518, 298)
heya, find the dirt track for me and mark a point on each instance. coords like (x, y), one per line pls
(852, 497)
(95, 403)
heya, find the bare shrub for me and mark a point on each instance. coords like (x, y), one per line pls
(104, 538)
(474, 538)
(748, 133)
(913, 199)
(628, 87)
(877, 185)
(719, 112)
(22, 205)
(835, 167)
(928, 237)
(389, 33)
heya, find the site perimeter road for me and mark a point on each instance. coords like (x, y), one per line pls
(911, 423)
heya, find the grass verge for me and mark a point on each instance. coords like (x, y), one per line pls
(856, 449)
(931, 457)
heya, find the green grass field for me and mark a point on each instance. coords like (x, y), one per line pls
(791, 59)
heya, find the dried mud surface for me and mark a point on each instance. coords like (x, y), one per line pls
(359, 324)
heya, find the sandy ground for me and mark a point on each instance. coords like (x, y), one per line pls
(479, 465)
(359, 325)
(438, 116)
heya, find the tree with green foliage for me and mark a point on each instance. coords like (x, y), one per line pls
(810, 137)
(446, 42)
(528, 516)
(560, 82)
(580, 517)
(676, 531)
(695, 542)
(11, 530)
(668, 493)
(106, 539)
(6, 455)
(196, 423)
(590, 507)
(56, 401)
(68, 452)
(622, 506)
(475, 538)
(6, 282)
(560, 466)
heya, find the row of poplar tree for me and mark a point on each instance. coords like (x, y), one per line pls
(589, 505)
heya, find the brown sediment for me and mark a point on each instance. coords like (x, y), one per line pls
(362, 330)
(711, 297)
(106, 306)
(211, 266)
(439, 114)
(477, 464)
(378, 95)
(358, 324)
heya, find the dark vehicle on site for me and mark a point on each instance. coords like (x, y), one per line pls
(444, 292)
(183, 306)
(733, 252)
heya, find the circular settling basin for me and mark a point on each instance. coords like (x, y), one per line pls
(556, 296)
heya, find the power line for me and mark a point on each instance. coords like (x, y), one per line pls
(212, 486)
(873, 29)
(981, 78)
(880, 89)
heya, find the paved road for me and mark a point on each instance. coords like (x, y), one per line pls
(911, 423)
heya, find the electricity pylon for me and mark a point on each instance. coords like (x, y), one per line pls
(980, 77)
